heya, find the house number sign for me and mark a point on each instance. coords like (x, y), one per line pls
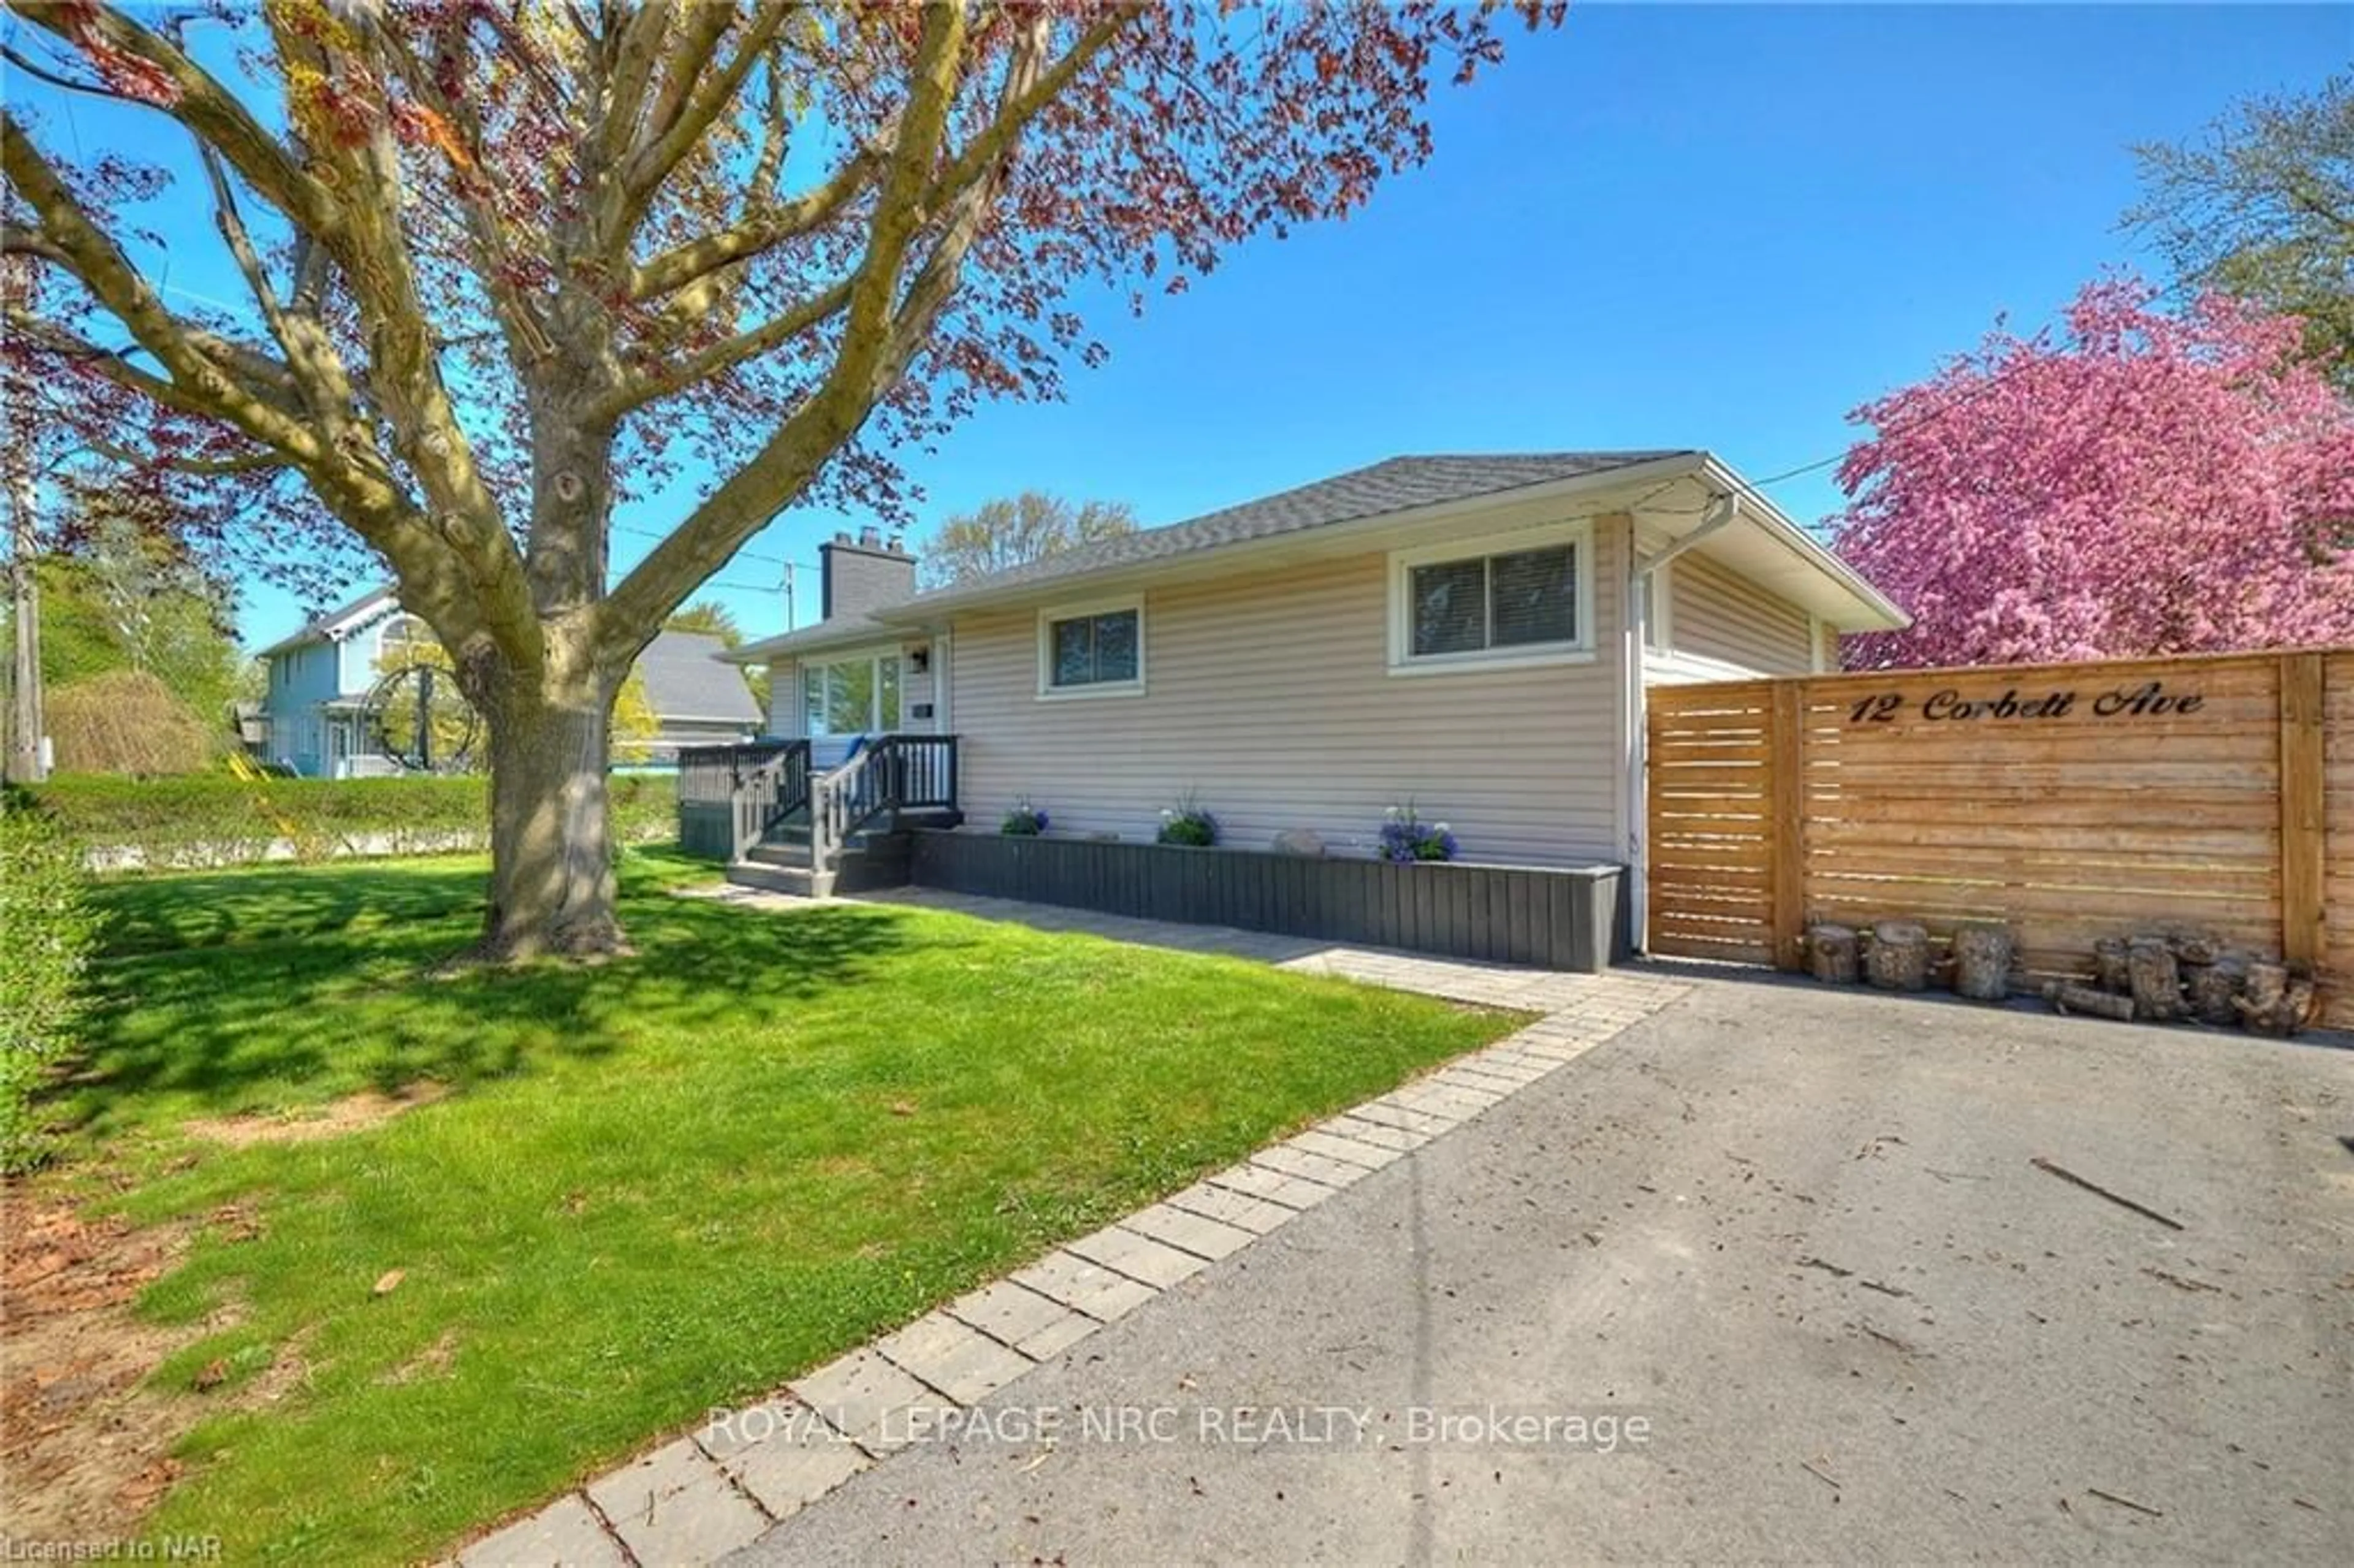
(2148, 700)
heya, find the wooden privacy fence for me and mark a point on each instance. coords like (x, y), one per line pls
(2076, 801)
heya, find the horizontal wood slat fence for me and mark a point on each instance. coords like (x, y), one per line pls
(2077, 801)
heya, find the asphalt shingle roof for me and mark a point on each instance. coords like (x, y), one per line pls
(1396, 484)
(831, 633)
(685, 680)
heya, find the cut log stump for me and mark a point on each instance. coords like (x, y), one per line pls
(2157, 984)
(1982, 955)
(1898, 957)
(2279, 1000)
(2215, 988)
(2066, 997)
(1831, 953)
(2109, 965)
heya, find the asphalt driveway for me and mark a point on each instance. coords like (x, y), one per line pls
(1793, 1240)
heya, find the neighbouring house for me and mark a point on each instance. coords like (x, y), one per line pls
(319, 721)
(696, 698)
(1473, 635)
(249, 722)
(315, 706)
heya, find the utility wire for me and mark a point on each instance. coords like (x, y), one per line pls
(1901, 426)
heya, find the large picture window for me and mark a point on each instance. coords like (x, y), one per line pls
(851, 696)
(1091, 650)
(1516, 599)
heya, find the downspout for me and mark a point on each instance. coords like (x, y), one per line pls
(1636, 706)
(1723, 510)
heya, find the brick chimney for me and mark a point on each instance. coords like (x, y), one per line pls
(865, 574)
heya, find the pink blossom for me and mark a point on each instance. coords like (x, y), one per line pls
(2137, 483)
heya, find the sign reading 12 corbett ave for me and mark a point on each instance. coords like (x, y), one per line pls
(2148, 700)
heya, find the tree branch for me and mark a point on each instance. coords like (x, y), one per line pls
(203, 366)
(764, 230)
(371, 249)
(831, 413)
(201, 103)
(725, 354)
(703, 100)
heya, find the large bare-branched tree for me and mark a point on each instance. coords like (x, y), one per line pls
(507, 263)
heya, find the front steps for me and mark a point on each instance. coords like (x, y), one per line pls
(781, 862)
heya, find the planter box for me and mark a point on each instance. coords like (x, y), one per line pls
(1561, 919)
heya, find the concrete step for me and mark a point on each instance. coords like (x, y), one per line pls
(781, 854)
(798, 881)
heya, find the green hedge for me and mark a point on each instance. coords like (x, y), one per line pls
(218, 819)
(51, 930)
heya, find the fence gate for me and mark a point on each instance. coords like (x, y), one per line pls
(1712, 821)
(2076, 801)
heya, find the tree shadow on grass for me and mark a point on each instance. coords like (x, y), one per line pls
(167, 914)
(280, 1024)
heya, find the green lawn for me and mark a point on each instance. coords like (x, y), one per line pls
(654, 1186)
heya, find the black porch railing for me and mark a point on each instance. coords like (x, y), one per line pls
(729, 797)
(893, 775)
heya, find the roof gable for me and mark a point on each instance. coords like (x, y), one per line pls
(337, 623)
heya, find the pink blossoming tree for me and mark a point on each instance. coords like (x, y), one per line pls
(2136, 483)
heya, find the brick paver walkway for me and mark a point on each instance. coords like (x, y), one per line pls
(718, 1488)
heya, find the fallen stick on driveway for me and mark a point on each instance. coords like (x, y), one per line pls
(2051, 1168)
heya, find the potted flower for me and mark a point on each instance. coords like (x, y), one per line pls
(1024, 821)
(1406, 838)
(1188, 824)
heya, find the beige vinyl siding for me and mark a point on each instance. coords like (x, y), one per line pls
(1269, 694)
(1718, 614)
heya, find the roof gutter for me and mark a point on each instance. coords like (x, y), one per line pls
(1750, 502)
(1723, 511)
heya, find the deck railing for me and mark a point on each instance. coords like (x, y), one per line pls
(749, 788)
(895, 774)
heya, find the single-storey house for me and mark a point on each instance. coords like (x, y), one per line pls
(1468, 635)
(317, 718)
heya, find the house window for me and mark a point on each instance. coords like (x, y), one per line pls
(851, 696)
(1514, 598)
(1091, 650)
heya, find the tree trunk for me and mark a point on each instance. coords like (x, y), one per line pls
(551, 879)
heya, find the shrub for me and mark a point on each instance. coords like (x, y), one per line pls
(127, 721)
(51, 930)
(1187, 823)
(1405, 837)
(218, 819)
(1024, 821)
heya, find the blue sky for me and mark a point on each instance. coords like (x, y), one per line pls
(1663, 226)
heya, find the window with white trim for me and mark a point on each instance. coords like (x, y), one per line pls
(1091, 650)
(1514, 598)
(851, 696)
